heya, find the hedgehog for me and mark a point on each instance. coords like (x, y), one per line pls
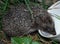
(18, 20)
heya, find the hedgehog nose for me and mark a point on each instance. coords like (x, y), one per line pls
(51, 30)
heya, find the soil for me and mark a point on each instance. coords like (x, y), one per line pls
(34, 35)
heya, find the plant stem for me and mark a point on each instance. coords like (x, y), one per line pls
(43, 3)
(6, 4)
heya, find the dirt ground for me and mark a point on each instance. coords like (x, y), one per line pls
(34, 36)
